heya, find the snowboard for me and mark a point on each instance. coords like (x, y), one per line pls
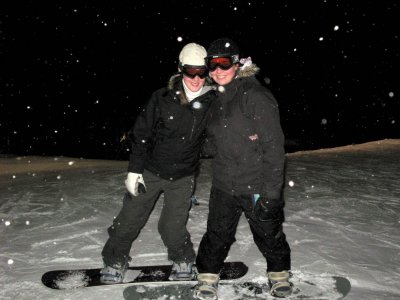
(69, 279)
(318, 287)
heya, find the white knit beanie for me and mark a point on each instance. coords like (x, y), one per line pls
(193, 54)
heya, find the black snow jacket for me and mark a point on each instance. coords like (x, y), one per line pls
(245, 138)
(167, 135)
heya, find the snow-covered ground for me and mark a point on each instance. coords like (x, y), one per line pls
(342, 218)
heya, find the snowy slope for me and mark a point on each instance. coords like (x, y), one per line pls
(342, 218)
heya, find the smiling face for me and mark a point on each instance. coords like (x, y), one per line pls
(194, 84)
(223, 77)
(194, 76)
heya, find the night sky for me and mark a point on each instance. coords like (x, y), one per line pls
(74, 74)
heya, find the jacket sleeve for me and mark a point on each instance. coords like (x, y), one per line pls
(208, 148)
(141, 135)
(265, 112)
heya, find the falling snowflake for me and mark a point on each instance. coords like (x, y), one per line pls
(196, 105)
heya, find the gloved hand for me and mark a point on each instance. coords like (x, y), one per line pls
(266, 209)
(135, 184)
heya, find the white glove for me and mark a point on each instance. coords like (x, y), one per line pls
(133, 182)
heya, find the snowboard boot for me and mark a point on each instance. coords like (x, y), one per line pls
(112, 275)
(279, 284)
(182, 271)
(207, 286)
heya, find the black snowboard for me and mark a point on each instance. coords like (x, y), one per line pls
(332, 288)
(312, 288)
(68, 279)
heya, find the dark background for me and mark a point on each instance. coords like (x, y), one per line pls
(74, 75)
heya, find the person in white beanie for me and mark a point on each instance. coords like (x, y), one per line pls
(166, 140)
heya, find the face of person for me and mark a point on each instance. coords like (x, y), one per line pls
(194, 84)
(223, 77)
(222, 70)
(194, 77)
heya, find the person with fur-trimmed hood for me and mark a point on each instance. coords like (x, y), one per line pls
(245, 139)
(166, 141)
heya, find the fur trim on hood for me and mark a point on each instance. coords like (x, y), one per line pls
(173, 80)
(248, 70)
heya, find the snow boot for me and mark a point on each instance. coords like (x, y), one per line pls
(182, 271)
(207, 287)
(279, 284)
(112, 275)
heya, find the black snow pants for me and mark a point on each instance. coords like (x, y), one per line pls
(225, 211)
(171, 225)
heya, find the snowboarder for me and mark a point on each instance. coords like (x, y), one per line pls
(166, 140)
(245, 139)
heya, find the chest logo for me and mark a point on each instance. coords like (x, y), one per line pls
(253, 137)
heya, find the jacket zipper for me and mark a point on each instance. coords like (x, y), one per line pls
(193, 125)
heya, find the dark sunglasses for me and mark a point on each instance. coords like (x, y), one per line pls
(224, 63)
(192, 72)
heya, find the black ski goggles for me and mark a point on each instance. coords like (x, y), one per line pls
(193, 71)
(224, 63)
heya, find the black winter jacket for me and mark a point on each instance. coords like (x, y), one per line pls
(245, 138)
(167, 135)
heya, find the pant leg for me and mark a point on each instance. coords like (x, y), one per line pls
(173, 219)
(130, 220)
(223, 218)
(269, 238)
